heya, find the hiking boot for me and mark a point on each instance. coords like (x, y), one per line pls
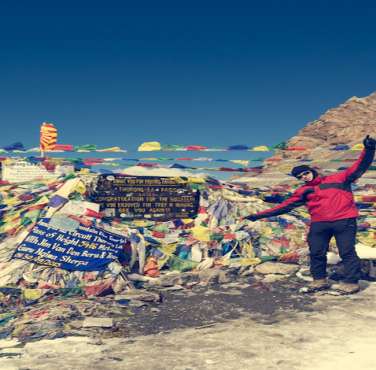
(316, 285)
(346, 288)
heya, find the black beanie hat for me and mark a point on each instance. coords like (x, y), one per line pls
(296, 171)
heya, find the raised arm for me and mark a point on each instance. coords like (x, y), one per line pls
(363, 162)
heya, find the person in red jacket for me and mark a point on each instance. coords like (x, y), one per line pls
(333, 212)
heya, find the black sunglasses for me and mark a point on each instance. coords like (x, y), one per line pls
(305, 173)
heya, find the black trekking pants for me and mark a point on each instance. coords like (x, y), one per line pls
(318, 239)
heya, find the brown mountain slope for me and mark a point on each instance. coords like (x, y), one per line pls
(347, 124)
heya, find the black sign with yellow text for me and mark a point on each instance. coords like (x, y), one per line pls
(154, 198)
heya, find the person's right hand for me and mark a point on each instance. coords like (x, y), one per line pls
(369, 142)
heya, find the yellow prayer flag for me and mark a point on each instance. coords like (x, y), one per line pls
(149, 146)
(357, 147)
(261, 148)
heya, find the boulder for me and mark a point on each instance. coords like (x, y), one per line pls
(276, 268)
(215, 276)
(271, 278)
(139, 295)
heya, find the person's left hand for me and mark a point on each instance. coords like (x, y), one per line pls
(369, 142)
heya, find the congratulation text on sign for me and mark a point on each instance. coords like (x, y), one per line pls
(157, 198)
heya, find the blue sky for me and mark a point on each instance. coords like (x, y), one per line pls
(200, 72)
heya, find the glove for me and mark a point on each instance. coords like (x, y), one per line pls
(251, 218)
(369, 142)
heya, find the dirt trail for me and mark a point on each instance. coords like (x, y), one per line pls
(294, 332)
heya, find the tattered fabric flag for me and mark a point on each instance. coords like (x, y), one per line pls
(155, 159)
(357, 147)
(33, 150)
(226, 169)
(296, 148)
(113, 149)
(238, 147)
(196, 147)
(13, 147)
(111, 159)
(281, 145)
(240, 161)
(148, 165)
(64, 147)
(177, 165)
(109, 164)
(93, 161)
(48, 137)
(275, 159)
(172, 148)
(202, 159)
(85, 148)
(149, 146)
(341, 147)
(260, 148)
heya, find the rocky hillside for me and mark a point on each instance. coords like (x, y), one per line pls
(346, 124)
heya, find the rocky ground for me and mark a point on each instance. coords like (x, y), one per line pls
(246, 323)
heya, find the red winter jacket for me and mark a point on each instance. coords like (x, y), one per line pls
(327, 198)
